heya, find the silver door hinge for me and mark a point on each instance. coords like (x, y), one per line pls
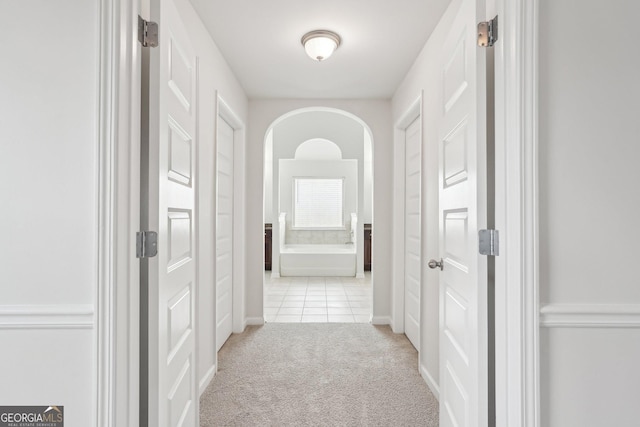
(146, 244)
(488, 32)
(489, 242)
(147, 32)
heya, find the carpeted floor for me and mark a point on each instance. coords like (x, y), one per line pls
(323, 374)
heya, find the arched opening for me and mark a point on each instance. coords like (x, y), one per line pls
(318, 202)
(318, 149)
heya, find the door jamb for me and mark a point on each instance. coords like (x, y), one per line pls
(117, 293)
(517, 295)
(413, 112)
(225, 112)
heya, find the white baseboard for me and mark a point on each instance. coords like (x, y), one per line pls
(360, 275)
(243, 326)
(254, 321)
(381, 320)
(62, 316)
(431, 383)
(397, 327)
(206, 380)
(590, 316)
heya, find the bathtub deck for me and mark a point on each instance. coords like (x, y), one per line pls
(318, 260)
(347, 248)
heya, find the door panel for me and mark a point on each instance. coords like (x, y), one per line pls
(224, 234)
(412, 253)
(462, 187)
(172, 385)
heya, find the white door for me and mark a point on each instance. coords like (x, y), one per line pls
(412, 230)
(224, 233)
(172, 384)
(462, 193)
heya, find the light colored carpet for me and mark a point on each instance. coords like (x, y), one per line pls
(322, 374)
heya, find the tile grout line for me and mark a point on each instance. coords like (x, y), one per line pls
(344, 285)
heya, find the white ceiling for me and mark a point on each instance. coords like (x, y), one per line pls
(260, 40)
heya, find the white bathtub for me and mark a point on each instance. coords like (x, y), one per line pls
(318, 260)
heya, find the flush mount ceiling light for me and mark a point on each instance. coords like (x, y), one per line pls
(320, 44)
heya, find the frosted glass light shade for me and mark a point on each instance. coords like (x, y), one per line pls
(320, 44)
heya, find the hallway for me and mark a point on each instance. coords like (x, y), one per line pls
(317, 299)
(110, 160)
(318, 375)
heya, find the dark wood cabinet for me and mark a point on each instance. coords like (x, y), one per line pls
(367, 247)
(267, 247)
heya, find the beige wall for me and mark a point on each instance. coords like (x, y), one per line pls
(49, 192)
(589, 133)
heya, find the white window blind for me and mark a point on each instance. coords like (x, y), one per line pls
(317, 202)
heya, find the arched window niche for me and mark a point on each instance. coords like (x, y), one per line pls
(318, 149)
(311, 155)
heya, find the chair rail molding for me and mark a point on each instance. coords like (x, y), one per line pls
(60, 316)
(590, 316)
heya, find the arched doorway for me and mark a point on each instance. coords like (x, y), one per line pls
(318, 200)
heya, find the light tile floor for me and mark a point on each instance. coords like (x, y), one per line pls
(317, 299)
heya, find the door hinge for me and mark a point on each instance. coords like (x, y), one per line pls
(146, 244)
(489, 242)
(488, 32)
(147, 32)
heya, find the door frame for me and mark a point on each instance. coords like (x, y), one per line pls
(224, 111)
(517, 346)
(412, 113)
(516, 268)
(117, 342)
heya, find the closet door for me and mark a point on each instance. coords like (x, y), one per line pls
(224, 233)
(412, 230)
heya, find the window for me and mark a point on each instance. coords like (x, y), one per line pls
(317, 202)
